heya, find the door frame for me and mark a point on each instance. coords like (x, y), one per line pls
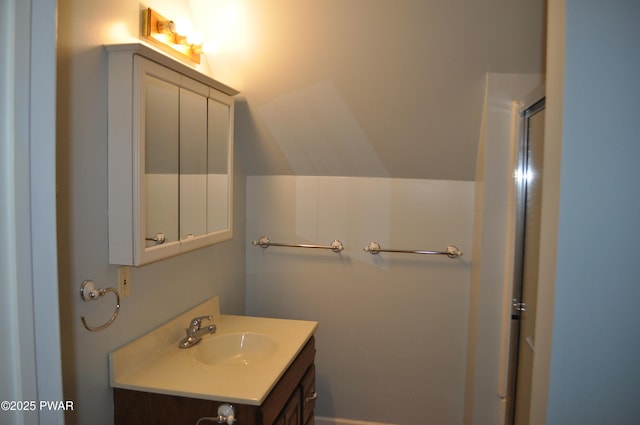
(28, 247)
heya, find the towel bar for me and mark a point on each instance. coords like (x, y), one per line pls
(264, 242)
(451, 252)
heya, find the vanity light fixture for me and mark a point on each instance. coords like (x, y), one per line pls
(173, 36)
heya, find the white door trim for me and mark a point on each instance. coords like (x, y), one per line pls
(29, 312)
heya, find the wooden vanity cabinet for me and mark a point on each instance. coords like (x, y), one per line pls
(299, 408)
(290, 402)
(308, 386)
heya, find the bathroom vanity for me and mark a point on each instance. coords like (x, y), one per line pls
(263, 367)
(290, 402)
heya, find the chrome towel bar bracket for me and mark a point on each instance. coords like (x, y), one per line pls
(264, 242)
(89, 292)
(451, 252)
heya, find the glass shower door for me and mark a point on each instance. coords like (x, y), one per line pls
(527, 254)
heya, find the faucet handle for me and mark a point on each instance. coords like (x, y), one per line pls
(196, 321)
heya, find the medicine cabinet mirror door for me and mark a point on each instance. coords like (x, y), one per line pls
(193, 161)
(219, 166)
(206, 135)
(186, 148)
(157, 159)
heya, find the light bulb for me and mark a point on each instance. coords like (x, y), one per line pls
(183, 27)
(194, 37)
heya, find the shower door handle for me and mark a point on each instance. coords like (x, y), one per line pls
(518, 306)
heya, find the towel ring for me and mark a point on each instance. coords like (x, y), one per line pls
(89, 292)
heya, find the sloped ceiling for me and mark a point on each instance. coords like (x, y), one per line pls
(373, 88)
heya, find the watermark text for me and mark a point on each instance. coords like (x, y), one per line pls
(32, 405)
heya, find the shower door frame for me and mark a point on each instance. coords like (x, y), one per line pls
(531, 105)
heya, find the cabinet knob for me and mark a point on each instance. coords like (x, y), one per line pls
(311, 397)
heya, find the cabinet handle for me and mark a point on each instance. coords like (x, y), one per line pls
(159, 238)
(311, 397)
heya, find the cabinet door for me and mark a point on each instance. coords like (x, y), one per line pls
(193, 160)
(291, 414)
(161, 159)
(156, 161)
(219, 163)
(206, 155)
(309, 395)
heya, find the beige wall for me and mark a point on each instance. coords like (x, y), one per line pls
(377, 88)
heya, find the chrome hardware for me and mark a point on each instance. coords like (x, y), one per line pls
(197, 321)
(226, 414)
(451, 252)
(531, 343)
(311, 397)
(159, 238)
(519, 306)
(264, 242)
(195, 333)
(89, 292)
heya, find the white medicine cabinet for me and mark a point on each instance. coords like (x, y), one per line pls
(170, 157)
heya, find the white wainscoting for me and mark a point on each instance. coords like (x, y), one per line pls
(393, 327)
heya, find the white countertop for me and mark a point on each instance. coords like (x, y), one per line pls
(154, 363)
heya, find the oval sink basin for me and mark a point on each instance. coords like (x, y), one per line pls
(234, 349)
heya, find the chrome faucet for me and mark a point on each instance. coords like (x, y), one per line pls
(195, 332)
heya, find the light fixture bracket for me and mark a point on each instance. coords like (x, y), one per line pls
(161, 32)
